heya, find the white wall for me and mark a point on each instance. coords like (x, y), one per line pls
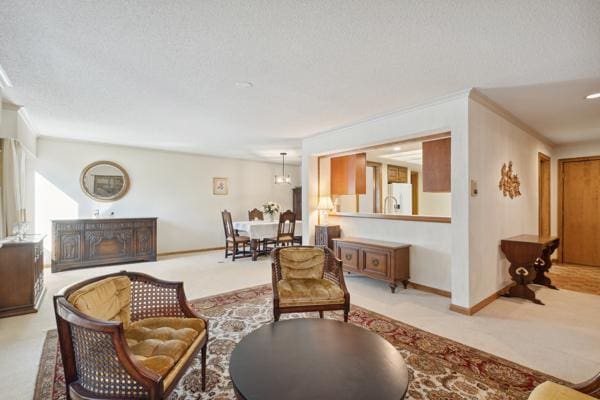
(493, 141)
(439, 256)
(584, 149)
(175, 187)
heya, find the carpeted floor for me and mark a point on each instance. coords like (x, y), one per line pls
(440, 369)
(578, 278)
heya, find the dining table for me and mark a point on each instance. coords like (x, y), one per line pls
(258, 230)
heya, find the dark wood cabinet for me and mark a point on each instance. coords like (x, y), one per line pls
(397, 174)
(348, 174)
(21, 275)
(297, 202)
(385, 261)
(437, 165)
(81, 243)
(324, 235)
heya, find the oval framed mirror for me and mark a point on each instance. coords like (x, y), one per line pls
(104, 181)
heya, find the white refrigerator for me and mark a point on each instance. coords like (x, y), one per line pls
(402, 192)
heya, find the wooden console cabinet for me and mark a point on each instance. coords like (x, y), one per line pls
(21, 275)
(385, 261)
(79, 243)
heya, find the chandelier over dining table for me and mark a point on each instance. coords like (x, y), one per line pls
(283, 178)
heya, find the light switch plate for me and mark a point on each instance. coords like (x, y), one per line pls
(474, 191)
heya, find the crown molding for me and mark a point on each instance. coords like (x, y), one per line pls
(404, 110)
(488, 103)
(4, 81)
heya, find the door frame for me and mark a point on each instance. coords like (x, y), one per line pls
(544, 158)
(560, 195)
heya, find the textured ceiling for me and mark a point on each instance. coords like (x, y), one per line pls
(162, 74)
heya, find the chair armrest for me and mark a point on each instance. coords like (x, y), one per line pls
(591, 386)
(275, 280)
(151, 297)
(97, 359)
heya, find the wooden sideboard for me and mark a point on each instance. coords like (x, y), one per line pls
(385, 261)
(21, 275)
(79, 243)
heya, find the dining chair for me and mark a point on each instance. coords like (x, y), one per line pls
(232, 237)
(255, 214)
(285, 231)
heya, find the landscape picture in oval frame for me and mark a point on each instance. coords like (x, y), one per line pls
(220, 186)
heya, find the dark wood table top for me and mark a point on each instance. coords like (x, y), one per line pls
(317, 359)
(531, 239)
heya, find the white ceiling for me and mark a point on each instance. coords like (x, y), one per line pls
(162, 74)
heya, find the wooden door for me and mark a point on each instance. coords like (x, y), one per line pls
(579, 194)
(543, 195)
(414, 181)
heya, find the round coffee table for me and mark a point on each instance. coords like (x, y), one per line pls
(316, 359)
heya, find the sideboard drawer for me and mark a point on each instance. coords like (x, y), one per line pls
(375, 262)
(349, 257)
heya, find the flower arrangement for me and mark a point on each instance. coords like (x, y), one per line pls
(271, 208)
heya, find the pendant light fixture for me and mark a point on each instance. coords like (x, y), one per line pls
(283, 178)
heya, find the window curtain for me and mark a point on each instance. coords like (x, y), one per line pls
(12, 210)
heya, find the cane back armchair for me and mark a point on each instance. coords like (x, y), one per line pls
(307, 278)
(127, 336)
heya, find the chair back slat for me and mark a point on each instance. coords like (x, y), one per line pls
(255, 214)
(227, 224)
(287, 224)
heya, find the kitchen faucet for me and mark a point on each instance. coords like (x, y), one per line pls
(394, 204)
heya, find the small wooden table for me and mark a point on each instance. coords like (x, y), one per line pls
(529, 257)
(316, 359)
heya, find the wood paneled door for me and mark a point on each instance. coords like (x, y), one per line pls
(543, 195)
(579, 210)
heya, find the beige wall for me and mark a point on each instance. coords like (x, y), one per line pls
(493, 140)
(175, 187)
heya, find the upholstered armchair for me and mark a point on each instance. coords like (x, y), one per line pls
(307, 278)
(553, 391)
(127, 336)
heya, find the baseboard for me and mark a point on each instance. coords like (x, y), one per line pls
(178, 252)
(430, 289)
(479, 306)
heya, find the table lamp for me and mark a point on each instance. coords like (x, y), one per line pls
(325, 205)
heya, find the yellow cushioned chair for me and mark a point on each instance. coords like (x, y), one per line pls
(554, 391)
(307, 278)
(127, 335)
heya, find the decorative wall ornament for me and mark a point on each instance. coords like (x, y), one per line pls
(509, 185)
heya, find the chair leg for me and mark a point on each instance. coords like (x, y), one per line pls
(226, 249)
(321, 314)
(346, 312)
(204, 367)
(276, 315)
(235, 250)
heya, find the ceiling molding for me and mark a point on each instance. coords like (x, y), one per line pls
(7, 105)
(485, 101)
(4, 81)
(398, 112)
(161, 150)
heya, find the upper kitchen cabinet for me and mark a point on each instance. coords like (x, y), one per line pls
(348, 174)
(436, 165)
(397, 174)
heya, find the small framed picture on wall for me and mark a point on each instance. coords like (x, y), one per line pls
(220, 186)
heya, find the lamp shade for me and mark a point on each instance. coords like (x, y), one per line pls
(325, 203)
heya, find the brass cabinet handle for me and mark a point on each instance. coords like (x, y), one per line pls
(348, 256)
(375, 262)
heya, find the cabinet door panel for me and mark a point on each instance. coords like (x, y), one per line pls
(349, 257)
(376, 262)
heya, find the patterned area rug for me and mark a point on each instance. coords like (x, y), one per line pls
(440, 369)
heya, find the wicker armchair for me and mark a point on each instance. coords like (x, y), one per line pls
(307, 278)
(127, 336)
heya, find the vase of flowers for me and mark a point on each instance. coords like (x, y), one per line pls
(271, 208)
